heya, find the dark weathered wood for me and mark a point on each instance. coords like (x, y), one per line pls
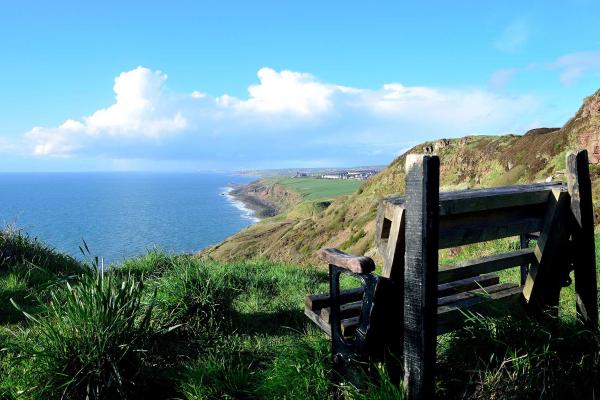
(393, 267)
(451, 317)
(347, 310)
(352, 308)
(464, 299)
(316, 318)
(348, 325)
(462, 285)
(542, 287)
(355, 264)
(524, 267)
(467, 228)
(318, 301)
(473, 200)
(420, 275)
(580, 190)
(486, 265)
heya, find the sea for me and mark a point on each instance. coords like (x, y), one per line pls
(124, 214)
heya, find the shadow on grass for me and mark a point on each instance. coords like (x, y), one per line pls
(519, 358)
(277, 323)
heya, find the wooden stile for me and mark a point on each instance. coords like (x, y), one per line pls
(420, 275)
(401, 311)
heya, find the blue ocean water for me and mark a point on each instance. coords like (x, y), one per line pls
(121, 215)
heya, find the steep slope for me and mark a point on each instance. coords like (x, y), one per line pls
(473, 161)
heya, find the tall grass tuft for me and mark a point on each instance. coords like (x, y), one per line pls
(91, 341)
(195, 297)
(18, 249)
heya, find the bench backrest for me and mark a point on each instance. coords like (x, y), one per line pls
(411, 230)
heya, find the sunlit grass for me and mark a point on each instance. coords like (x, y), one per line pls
(172, 326)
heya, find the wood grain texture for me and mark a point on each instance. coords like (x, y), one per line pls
(495, 303)
(420, 275)
(318, 301)
(355, 264)
(393, 267)
(462, 285)
(580, 191)
(542, 287)
(486, 265)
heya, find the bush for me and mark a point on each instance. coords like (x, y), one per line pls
(91, 341)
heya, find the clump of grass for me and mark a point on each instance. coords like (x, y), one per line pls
(225, 376)
(381, 388)
(152, 265)
(195, 297)
(18, 249)
(300, 370)
(91, 341)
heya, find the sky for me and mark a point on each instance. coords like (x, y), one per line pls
(230, 85)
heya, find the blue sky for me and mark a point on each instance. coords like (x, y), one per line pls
(221, 85)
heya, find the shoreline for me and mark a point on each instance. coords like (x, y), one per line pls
(256, 209)
(247, 212)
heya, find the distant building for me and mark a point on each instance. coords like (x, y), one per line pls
(355, 174)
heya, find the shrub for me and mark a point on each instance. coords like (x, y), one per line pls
(91, 341)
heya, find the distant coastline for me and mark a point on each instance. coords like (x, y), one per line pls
(244, 198)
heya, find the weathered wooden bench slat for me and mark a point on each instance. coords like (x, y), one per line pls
(480, 226)
(352, 308)
(486, 265)
(473, 200)
(318, 301)
(348, 324)
(465, 299)
(470, 283)
(452, 316)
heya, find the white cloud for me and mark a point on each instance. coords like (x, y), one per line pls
(514, 38)
(574, 65)
(285, 92)
(287, 115)
(141, 108)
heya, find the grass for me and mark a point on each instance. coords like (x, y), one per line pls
(171, 326)
(313, 189)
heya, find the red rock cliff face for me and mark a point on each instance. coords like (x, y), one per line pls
(586, 124)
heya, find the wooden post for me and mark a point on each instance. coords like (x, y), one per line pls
(542, 287)
(420, 277)
(580, 189)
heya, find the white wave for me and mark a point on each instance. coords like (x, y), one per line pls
(246, 212)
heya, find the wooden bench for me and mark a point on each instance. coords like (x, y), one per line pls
(398, 313)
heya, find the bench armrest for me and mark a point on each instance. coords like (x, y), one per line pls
(355, 264)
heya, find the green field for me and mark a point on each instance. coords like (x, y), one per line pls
(314, 189)
(180, 327)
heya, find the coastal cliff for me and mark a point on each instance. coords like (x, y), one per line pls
(348, 222)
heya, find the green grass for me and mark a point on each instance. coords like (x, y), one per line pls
(313, 189)
(172, 326)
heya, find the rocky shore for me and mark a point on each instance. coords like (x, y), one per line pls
(254, 199)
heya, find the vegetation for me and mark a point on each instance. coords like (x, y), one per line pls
(468, 162)
(172, 326)
(313, 189)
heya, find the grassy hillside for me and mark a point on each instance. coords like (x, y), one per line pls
(169, 326)
(469, 162)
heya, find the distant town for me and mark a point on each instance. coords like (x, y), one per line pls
(353, 174)
(356, 173)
